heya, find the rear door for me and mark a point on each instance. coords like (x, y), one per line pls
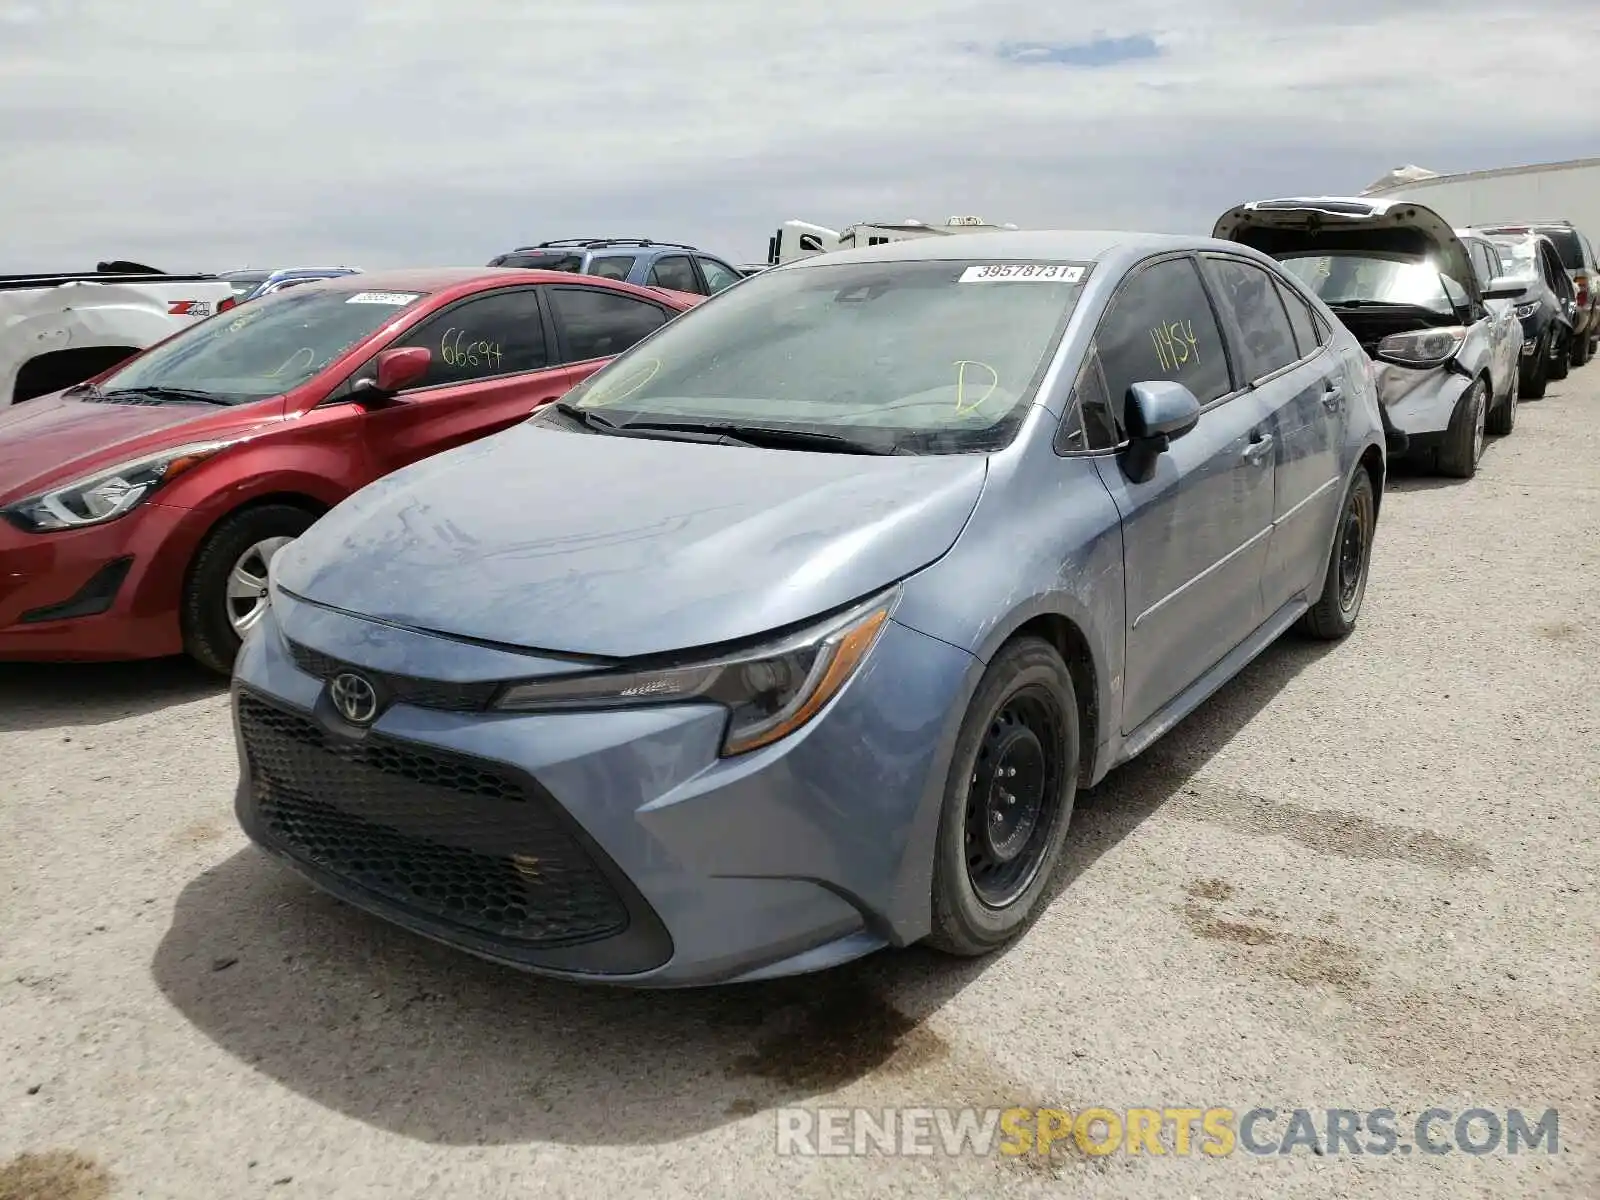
(676, 271)
(594, 325)
(1306, 391)
(1194, 534)
(492, 366)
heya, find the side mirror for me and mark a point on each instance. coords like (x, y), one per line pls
(1503, 287)
(1154, 413)
(396, 370)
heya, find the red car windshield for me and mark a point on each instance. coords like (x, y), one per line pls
(264, 348)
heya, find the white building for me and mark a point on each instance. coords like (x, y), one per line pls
(1563, 191)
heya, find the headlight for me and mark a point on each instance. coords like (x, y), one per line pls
(769, 692)
(1524, 311)
(107, 495)
(1423, 347)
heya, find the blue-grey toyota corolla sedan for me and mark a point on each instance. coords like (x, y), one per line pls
(793, 633)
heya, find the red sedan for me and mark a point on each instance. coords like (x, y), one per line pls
(139, 511)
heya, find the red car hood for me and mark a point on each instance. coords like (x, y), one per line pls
(55, 439)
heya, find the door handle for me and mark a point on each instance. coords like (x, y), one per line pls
(1332, 397)
(1259, 449)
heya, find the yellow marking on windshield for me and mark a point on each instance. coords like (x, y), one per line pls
(961, 365)
(311, 357)
(608, 396)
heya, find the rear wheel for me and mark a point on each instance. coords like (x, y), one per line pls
(1463, 442)
(1334, 614)
(226, 595)
(1504, 417)
(1008, 800)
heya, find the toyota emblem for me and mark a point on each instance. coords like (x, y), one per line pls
(354, 697)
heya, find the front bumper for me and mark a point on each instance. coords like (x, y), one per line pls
(88, 594)
(603, 846)
(1419, 403)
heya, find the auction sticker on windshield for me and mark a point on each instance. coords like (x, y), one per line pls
(395, 298)
(1023, 273)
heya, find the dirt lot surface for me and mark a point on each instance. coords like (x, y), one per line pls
(1362, 876)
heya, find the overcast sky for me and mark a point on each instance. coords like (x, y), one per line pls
(208, 135)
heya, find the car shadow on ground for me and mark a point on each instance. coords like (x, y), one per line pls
(70, 695)
(419, 1040)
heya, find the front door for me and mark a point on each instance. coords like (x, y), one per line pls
(1194, 534)
(492, 366)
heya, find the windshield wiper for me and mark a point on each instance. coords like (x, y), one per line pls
(158, 392)
(664, 432)
(769, 436)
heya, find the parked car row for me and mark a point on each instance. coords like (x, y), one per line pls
(791, 621)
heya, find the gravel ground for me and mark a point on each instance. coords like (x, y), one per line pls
(1359, 877)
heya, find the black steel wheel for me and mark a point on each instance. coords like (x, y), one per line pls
(1008, 799)
(1334, 614)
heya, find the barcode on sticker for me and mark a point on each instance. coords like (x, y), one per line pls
(1023, 273)
(395, 298)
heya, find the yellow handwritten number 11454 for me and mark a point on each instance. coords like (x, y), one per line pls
(1175, 344)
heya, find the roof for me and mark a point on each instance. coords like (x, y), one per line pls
(439, 279)
(1571, 164)
(1071, 245)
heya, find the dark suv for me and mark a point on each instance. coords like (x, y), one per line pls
(632, 260)
(1578, 257)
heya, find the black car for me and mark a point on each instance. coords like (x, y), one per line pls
(1547, 308)
(1582, 269)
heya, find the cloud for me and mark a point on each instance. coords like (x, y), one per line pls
(213, 134)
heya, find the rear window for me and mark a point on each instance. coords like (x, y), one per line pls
(541, 261)
(1567, 246)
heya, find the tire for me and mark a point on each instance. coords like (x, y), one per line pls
(1334, 614)
(1560, 361)
(1024, 715)
(1463, 441)
(1538, 373)
(209, 633)
(1503, 419)
(1582, 350)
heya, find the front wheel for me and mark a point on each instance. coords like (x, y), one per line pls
(1561, 357)
(1504, 418)
(226, 595)
(1008, 800)
(1334, 614)
(1463, 441)
(1536, 373)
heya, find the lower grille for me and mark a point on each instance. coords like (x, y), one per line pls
(446, 836)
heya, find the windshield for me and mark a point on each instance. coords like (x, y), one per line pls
(1519, 257)
(1346, 278)
(242, 284)
(932, 357)
(266, 347)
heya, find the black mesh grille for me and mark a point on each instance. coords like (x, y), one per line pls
(442, 835)
(401, 689)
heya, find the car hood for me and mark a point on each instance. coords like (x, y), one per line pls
(614, 547)
(1334, 223)
(53, 439)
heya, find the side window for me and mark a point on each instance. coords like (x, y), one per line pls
(599, 324)
(1161, 326)
(497, 334)
(1092, 422)
(613, 266)
(675, 272)
(1307, 335)
(1247, 293)
(717, 275)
